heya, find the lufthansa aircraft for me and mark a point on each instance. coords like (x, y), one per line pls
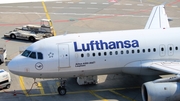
(154, 50)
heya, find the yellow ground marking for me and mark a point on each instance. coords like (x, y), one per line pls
(121, 95)
(48, 94)
(58, 84)
(92, 92)
(76, 92)
(86, 91)
(48, 17)
(41, 88)
(98, 90)
(21, 80)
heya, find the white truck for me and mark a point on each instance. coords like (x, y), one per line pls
(3, 54)
(5, 79)
(32, 32)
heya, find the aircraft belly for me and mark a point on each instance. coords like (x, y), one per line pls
(70, 73)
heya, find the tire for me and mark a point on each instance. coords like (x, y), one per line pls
(8, 86)
(32, 39)
(12, 36)
(62, 91)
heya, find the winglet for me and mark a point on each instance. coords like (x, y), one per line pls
(158, 18)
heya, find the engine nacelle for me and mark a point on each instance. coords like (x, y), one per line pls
(166, 91)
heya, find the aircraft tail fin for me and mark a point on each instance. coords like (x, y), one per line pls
(158, 18)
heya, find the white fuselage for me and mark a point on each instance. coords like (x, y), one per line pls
(75, 55)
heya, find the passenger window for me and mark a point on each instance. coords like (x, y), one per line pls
(110, 53)
(33, 55)
(105, 53)
(170, 48)
(149, 50)
(93, 54)
(116, 52)
(88, 54)
(99, 53)
(127, 51)
(26, 53)
(40, 55)
(162, 49)
(138, 51)
(154, 49)
(132, 51)
(82, 55)
(121, 52)
(144, 50)
(176, 48)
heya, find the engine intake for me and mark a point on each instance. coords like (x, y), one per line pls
(166, 91)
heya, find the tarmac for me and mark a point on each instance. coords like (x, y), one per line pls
(78, 16)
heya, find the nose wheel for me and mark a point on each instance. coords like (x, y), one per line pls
(62, 89)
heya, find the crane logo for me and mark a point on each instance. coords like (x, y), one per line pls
(39, 66)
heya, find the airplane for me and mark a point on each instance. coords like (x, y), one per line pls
(154, 50)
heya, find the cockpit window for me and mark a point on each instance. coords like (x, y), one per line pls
(33, 55)
(40, 55)
(26, 53)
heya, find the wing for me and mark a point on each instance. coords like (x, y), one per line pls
(158, 18)
(169, 67)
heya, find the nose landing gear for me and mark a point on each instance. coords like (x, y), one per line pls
(61, 89)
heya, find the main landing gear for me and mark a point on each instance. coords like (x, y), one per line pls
(62, 89)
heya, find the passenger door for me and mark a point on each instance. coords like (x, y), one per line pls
(63, 55)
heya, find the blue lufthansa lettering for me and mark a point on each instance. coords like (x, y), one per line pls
(85, 48)
(76, 48)
(135, 43)
(101, 45)
(92, 45)
(127, 44)
(97, 46)
(112, 45)
(119, 43)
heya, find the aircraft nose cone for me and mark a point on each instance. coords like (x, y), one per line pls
(13, 66)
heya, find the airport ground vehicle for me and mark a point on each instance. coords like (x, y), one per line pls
(32, 32)
(5, 79)
(3, 54)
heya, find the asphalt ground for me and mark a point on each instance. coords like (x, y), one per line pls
(78, 16)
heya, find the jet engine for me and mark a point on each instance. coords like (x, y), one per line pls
(161, 91)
